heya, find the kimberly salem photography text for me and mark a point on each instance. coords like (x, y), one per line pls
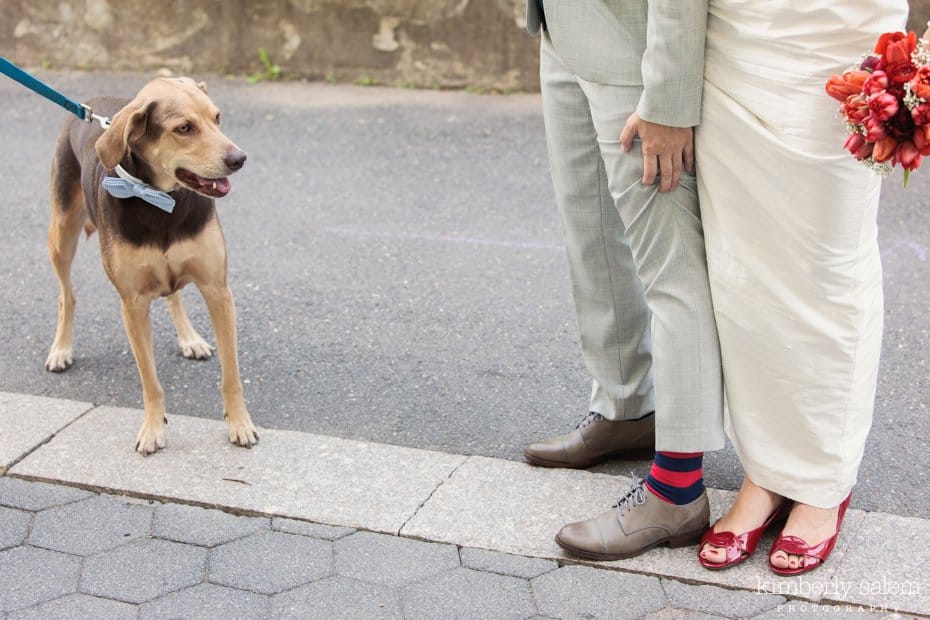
(876, 591)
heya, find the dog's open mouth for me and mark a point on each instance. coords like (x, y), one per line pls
(215, 188)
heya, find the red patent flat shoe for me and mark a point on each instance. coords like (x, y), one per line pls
(813, 556)
(738, 547)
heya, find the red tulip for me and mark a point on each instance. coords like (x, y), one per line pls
(890, 38)
(920, 85)
(858, 146)
(874, 129)
(850, 83)
(884, 149)
(875, 83)
(922, 139)
(921, 114)
(897, 57)
(856, 108)
(907, 156)
(883, 106)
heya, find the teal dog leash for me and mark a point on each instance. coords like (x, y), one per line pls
(126, 186)
(80, 110)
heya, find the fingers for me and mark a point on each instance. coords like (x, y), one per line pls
(669, 171)
(650, 168)
(629, 133)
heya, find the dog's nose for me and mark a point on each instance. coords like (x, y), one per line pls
(235, 160)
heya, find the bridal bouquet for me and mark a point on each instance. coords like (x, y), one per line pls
(886, 104)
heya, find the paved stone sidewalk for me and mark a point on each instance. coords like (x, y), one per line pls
(310, 526)
(70, 553)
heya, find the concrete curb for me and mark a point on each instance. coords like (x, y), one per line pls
(494, 504)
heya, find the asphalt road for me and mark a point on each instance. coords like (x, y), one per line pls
(397, 263)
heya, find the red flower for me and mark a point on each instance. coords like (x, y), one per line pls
(884, 149)
(883, 106)
(874, 129)
(920, 85)
(922, 139)
(858, 146)
(875, 83)
(896, 38)
(901, 125)
(856, 108)
(921, 114)
(850, 83)
(907, 156)
(897, 56)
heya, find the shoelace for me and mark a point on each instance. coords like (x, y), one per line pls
(591, 417)
(636, 496)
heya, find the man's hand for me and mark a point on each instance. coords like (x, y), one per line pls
(666, 150)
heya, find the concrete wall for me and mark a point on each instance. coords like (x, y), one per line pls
(425, 43)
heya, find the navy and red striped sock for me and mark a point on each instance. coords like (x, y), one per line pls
(677, 477)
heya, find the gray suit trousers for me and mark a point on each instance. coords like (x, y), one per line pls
(637, 265)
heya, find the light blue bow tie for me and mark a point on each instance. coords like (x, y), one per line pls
(124, 187)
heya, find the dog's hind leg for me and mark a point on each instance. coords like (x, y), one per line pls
(193, 346)
(151, 436)
(223, 315)
(64, 231)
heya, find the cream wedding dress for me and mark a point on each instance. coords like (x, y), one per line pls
(790, 226)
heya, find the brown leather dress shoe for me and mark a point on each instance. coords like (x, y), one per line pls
(595, 440)
(639, 522)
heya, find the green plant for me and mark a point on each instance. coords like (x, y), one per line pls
(272, 71)
(366, 80)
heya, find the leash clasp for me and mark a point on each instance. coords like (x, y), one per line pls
(90, 117)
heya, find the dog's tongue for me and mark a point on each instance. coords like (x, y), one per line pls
(220, 186)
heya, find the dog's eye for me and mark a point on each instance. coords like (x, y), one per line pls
(217, 118)
(184, 129)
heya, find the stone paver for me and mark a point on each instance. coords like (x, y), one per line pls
(465, 593)
(389, 560)
(74, 606)
(313, 477)
(337, 598)
(313, 530)
(200, 526)
(30, 576)
(584, 592)
(90, 526)
(207, 601)
(878, 569)
(719, 601)
(28, 495)
(69, 553)
(673, 613)
(143, 570)
(797, 610)
(28, 421)
(14, 527)
(271, 562)
(505, 563)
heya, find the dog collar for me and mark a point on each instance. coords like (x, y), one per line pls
(127, 186)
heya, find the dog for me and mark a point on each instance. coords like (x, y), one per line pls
(168, 142)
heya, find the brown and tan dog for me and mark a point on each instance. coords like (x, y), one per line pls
(169, 137)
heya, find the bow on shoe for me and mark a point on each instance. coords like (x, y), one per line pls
(123, 188)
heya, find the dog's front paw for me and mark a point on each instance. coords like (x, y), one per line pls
(59, 359)
(242, 433)
(151, 438)
(196, 349)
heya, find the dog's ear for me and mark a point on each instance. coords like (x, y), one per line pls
(126, 128)
(203, 86)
